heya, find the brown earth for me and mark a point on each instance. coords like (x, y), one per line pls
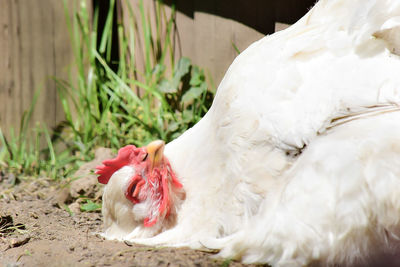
(41, 225)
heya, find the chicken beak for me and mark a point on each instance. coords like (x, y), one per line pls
(155, 152)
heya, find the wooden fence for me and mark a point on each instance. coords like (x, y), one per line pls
(34, 47)
(207, 31)
(34, 44)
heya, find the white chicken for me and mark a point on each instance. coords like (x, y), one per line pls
(298, 160)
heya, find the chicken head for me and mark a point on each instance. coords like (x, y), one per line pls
(151, 185)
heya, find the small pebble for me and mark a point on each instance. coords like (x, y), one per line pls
(34, 215)
(17, 242)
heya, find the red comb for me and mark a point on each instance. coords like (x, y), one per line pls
(110, 166)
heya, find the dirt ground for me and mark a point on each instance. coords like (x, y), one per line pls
(41, 225)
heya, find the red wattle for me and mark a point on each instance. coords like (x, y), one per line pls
(165, 203)
(148, 223)
(135, 181)
(175, 180)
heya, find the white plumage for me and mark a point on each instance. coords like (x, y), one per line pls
(298, 159)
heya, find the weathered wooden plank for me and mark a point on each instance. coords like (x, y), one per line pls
(281, 26)
(35, 45)
(184, 35)
(63, 54)
(216, 33)
(5, 63)
(213, 47)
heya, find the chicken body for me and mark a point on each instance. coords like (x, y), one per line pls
(338, 204)
(297, 160)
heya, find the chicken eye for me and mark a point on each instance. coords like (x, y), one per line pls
(145, 157)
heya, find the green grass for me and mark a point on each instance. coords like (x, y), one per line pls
(112, 104)
(90, 206)
(30, 151)
(131, 105)
(19, 152)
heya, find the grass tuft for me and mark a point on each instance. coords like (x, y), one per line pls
(111, 104)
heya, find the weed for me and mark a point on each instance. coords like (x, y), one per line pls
(112, 106)
(90, 206)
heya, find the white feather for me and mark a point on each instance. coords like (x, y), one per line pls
(249, 191)
(339, 203)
